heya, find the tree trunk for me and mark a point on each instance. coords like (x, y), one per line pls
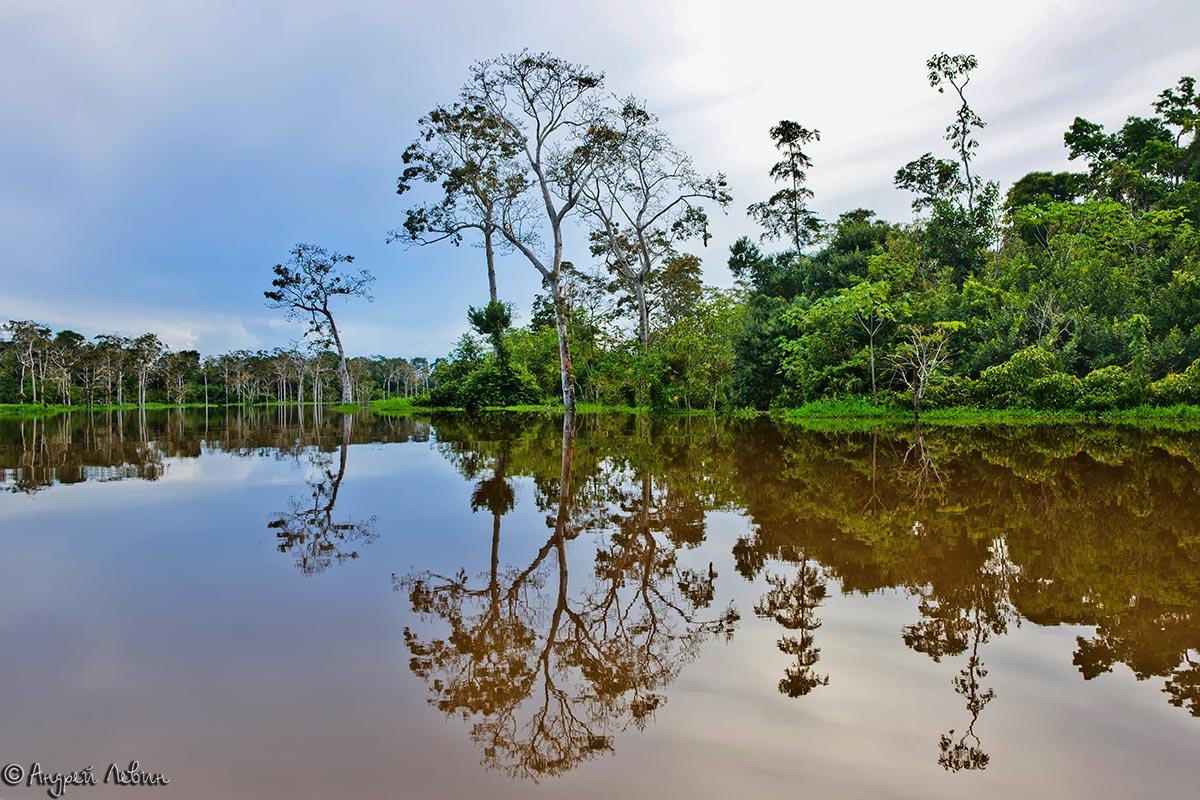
(566, 368)
(871, 346)
(643, 313)
(489, 232)
(343, 369)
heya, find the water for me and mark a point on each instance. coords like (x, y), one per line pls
(257, 605)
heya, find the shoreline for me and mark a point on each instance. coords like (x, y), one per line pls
(825, 414)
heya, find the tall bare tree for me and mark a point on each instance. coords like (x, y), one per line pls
(920, 358)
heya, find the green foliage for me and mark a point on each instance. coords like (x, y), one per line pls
(952, 391)
(1057, 392)
(493, 384)
(1008, 385)
(1111, 387)
(1177, 388)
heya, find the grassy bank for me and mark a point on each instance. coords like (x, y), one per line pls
(852, 414)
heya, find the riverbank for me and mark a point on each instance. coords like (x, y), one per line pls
(858, 414)
(855, 414)
(824, 414)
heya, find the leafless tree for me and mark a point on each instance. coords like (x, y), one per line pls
(919, 358)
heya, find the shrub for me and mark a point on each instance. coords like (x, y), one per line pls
(1177, 388)
(1110, 387)
(951, 391)
(493, 384)
(1057, 391)
(1009, 385)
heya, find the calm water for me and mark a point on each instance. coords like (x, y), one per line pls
(262, 606)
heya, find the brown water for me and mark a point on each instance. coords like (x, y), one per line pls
(261, 606)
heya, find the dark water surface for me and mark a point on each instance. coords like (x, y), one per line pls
(262, 606)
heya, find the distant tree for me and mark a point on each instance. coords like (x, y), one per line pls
(115, 352)
(144, 352)
(1042, 188)
(786, 213)
(304, 288)
(28, 340)
(63, 357)
(1151, 162)
(679, 286)
(176, 370)
(842, 262)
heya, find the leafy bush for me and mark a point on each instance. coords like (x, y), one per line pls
(951, 391)
(1110, 387)
(494, 384)
(1057, 391)
(1177, 388)
(1009, 385)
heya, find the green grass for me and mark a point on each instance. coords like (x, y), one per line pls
(30, 411)
(861, 413)
(834, 415)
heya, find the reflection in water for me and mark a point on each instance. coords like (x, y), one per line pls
(549, 654)
(545, 673)
(118, 445)
(39, 453)
(983, 528)
(308, 530)
(793, 604)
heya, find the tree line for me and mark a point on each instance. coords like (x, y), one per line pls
(1072, 290)
(38, 366)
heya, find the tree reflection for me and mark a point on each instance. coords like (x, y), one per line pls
(547, 675)
(308, 529)
(793, 604)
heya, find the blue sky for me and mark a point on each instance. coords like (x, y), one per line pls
(160, 157)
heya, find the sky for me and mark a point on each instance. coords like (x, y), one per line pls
(158, 158)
